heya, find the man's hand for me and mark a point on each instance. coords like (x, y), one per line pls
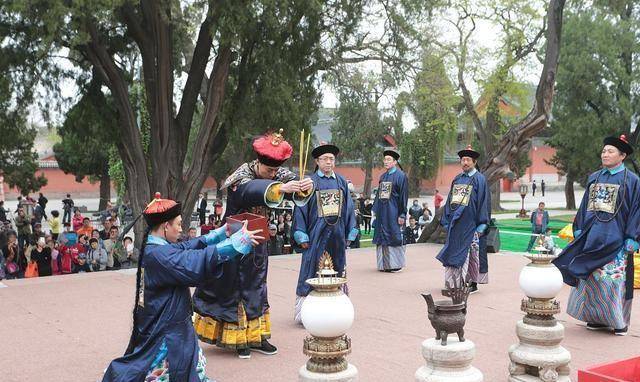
(306, 184)
(401, 221)
(290, 187)
(304, 245)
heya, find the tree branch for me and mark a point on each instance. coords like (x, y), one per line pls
(195, 78)
(519, 135)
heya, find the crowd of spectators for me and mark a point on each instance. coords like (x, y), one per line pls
(73, 244)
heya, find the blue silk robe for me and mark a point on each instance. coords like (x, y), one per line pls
(390, 204)
(245, 278)
(165, 309)
(601, 238)
(470, 197)
(329, 233)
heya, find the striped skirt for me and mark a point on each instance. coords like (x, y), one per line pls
(470, 270)
(390, 257)
(600, 299)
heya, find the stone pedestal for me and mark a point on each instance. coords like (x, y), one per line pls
(450, 363)
(539, 356)
(349, 375)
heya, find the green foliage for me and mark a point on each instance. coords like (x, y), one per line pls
(359, 128)
(87, 136)
(432, 102)
(18, 160)
(597, 93)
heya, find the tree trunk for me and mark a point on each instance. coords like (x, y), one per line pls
(569, 194)
(368, 175)
(495, 196)
(105, 190)
(219, 192)
(518, 136)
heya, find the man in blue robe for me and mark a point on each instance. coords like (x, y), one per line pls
(233, 312)
(327, 223)
(465, 217)
(598, 263)
(390, 209)
(163, 342)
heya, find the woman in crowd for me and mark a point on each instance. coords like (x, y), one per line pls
(41, 254)
(11, 252)
(96, 256)
(77, 220)
(56, 260)
(55, 224)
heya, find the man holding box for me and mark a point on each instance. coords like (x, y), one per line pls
(233, 311)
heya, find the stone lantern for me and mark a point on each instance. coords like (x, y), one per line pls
(538, 356)
(524, 189)
(327, 313)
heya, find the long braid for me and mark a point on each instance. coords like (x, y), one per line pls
(134, 330)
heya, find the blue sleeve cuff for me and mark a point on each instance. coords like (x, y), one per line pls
(226, 250)
(481, 228)
(216, 236)
(300, 237)
(353, 234)
(241, 242)
(630, 245)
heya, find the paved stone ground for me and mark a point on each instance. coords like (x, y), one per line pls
(67, 328)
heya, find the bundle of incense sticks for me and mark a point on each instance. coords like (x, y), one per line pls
(304, 153)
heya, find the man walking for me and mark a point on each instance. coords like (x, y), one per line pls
(465, 217)
(390, 209)
(67, 207)
(201, 206)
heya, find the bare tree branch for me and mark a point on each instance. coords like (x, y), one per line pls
(519, 135)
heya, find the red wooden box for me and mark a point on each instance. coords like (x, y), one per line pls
(255, 222)
(627, 370)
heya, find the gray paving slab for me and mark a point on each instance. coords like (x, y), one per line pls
(68, 328)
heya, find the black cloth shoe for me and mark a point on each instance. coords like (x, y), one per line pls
(244, 353)
(594, 326)
(621, 332)
(265, 348)
(473, 288)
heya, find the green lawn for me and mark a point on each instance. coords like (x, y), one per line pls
(514, 233)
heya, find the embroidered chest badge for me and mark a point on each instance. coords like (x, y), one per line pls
(385, 190)
(461, 193)
(603, 197)
(329, 202)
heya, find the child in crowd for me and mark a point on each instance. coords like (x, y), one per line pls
(549, 244)
(130, 253)
(411, 233)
